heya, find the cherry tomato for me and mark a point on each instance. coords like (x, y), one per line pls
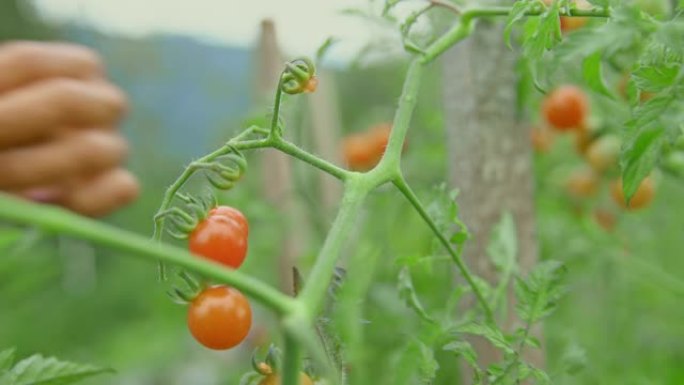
(380, 134)
(642, 197)
(571, 23)
(221, 237)
(232, 213)
(219, 317)
(566, 108)
(605, 219)
(359, 152)
(604, 152)
(582, 183)
(274, 379)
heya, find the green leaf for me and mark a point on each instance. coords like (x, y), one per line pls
(542, 33)
(6, 360)
(539, 294)
(593, 75)
(251, 378)
(38, 370)
(463, 349)
(408, 293)
(324, 48)
(428, 365)
(503, 245)
(655, 78)
(643, 143)
(517, 13)
(493, 335)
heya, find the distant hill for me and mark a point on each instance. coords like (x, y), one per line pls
(186, 94)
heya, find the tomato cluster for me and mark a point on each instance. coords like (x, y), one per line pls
(363, 150)
(219, 317)
(565, 110)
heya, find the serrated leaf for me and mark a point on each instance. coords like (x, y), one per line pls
(542, 33)
(655, 78)
(493, 335)
(503, 244)
(517, 13)
(463, 349)
(38, 370)
(540, 292)
(643, 142)
(6, 360)
(593, 75)
(408, 293)
(428, 365)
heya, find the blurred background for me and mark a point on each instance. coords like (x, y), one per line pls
(195, 76)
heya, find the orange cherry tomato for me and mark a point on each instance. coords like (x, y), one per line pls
(221, 237)
(642, 197)
(542, 139)
(359, 152)
(566, 108)
(219, 317)
(582, 183)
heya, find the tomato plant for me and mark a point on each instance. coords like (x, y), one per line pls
(220, 317)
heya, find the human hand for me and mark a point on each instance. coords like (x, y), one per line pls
(58, 128)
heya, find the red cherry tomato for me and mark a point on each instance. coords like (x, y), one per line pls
(221, 237)
(219, 317)
(566, 108)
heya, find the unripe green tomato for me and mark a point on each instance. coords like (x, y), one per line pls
(656, 8)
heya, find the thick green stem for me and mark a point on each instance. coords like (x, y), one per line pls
(405, 189)
(291, 361)
(402, 119)
(316, 287)
(57, 220)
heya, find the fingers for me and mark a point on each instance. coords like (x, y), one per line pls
(102, 194)
(22, 63)
(80, 153)
(32, 113)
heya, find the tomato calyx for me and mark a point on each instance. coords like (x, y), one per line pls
(270, 364)
(188, 290)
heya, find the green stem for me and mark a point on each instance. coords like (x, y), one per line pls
(57, 220)
(402, 119)
(291, 361)
(323, 165)
(405, 189)
(316, 287)
(275, 131)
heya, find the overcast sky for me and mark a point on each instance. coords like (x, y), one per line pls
(230, 21)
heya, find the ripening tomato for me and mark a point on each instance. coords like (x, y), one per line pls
(221, 237)
(542, 139)
(604, 153)
(571, 23)
(219, 317)
(359, 152)
(566, 108)
(641, 198)
(605, 219)
(582, 183)
(274, 379)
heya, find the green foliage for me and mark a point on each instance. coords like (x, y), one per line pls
(539, 294)
(39, 370)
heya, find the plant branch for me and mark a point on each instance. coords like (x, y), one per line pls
(57, 220)
(291, 361)
(406, 190)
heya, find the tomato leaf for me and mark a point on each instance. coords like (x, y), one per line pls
(37, 370)
(542, 33)
(428, 366)
(503, 245)
(655, 78)
(493, 335)
(593, 75)
(517, 13)
(643, 142)
(539, 294)
(6, 360)
(408, 293)
(463, 349)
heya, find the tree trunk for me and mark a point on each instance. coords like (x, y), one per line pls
(490, 156)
